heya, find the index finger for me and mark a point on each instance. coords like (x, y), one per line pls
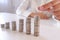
(48, 5)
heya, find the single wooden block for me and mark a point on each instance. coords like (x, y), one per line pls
(36, 26)
(13, 25)
(28, 26)
(21, 24)
(2, 25)
(7, 25)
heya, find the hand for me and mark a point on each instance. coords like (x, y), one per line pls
(55, 4)
(40, 14)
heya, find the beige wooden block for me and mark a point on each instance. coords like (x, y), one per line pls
(2, 25)
(13, 25)
(7, 25)
(21, 24)
(28, 26)
(36, 26)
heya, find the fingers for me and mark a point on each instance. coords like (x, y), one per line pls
(44, 7)
(54, 2)
(56, 7)
(49, 9)
(40, 14)
(43, 16)
(56, 13)
(58, 18)
(48, 5)
(32, 15)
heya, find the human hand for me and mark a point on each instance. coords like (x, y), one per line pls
(53, 6)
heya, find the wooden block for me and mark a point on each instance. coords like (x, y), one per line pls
(36, 26)
(2, 25)
(28, 26)
(21, 24)
(13, 25)
(7, 25)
